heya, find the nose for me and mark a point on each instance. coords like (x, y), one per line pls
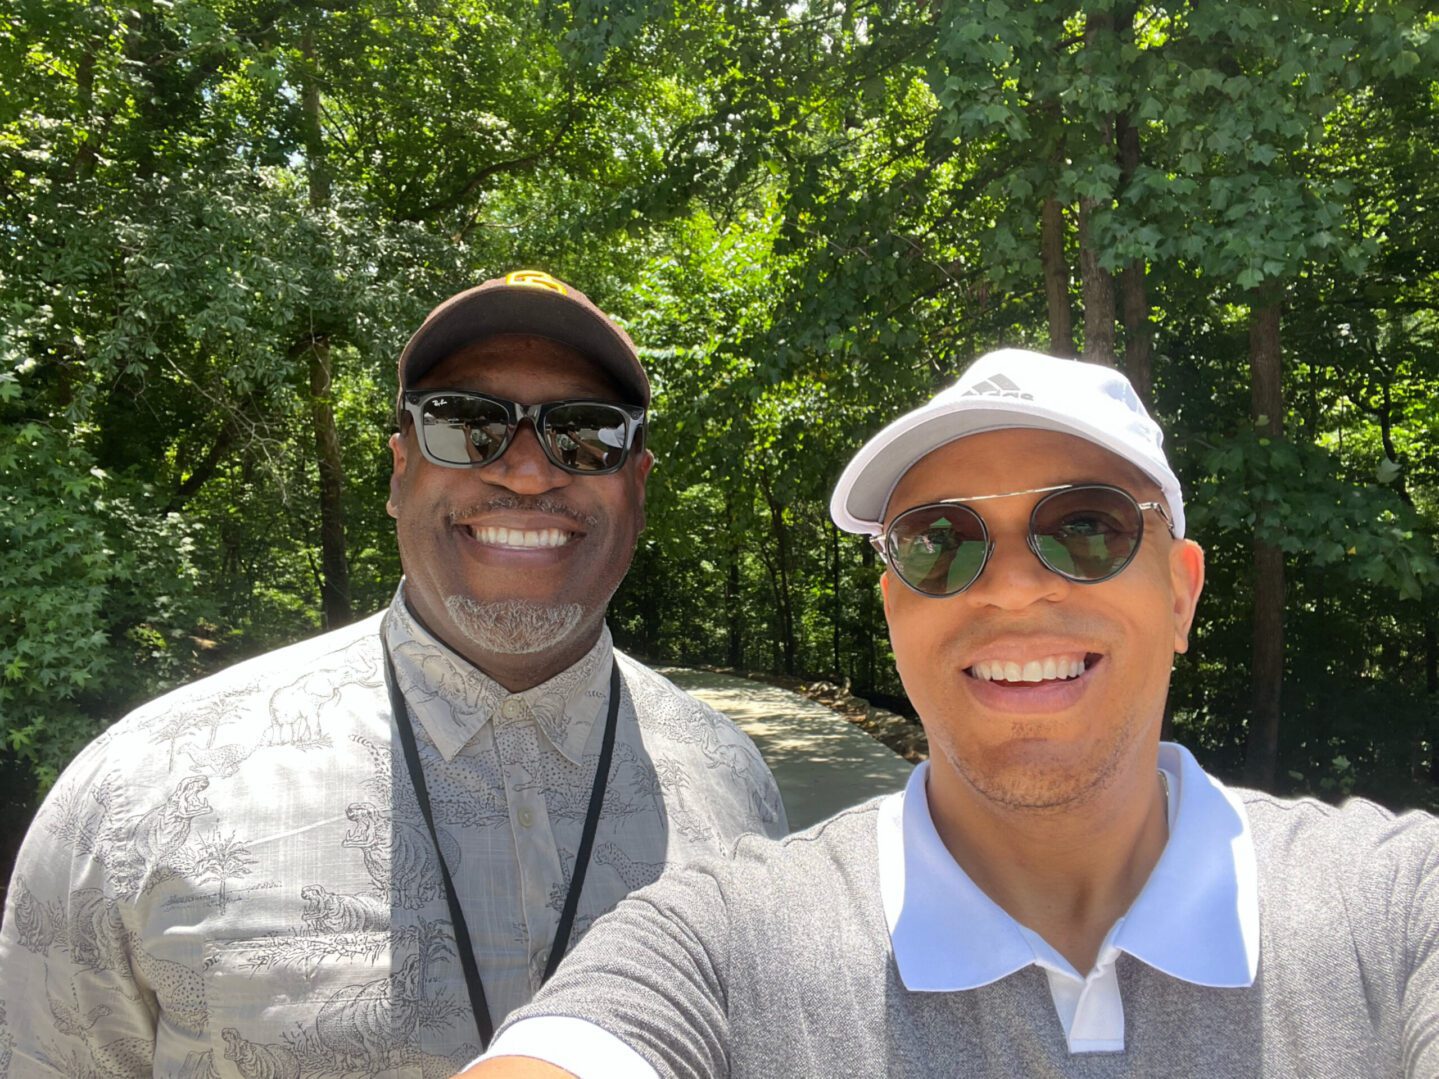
(1014, 578)
(523, 468)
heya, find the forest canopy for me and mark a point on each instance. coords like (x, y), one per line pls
(222, 219)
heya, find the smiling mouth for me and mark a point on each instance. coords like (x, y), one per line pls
(1057, 668)
(523, 538)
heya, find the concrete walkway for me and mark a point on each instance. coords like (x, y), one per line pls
(821, 761)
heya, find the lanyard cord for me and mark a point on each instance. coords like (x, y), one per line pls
(461, 929)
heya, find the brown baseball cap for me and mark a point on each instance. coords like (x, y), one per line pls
(526, 301)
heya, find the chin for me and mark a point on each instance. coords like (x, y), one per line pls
(1035, 775)
(515, 627)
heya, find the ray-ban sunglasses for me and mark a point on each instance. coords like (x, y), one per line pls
(1085, 532)
(463, 429)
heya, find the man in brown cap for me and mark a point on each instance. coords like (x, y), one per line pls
(361, 852)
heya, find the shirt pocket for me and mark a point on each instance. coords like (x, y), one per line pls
(314, 1006)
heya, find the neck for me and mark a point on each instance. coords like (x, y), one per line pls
(515, 672)
(519, 673)
(1068, 873)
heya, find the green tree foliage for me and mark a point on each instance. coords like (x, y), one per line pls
(185, 233)
(811, 216)
(912, 179)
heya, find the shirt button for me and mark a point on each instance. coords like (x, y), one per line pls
(513, 708)
(527, 818)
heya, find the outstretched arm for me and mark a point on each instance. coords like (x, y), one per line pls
(1421, 988)
(516, 1068)
(642, 995)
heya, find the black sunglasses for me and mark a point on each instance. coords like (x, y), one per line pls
(462, 429)
(1085, 532)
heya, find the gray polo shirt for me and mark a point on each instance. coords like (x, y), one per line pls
(790, 961)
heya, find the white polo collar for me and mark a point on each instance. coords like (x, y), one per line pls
(1197, 918)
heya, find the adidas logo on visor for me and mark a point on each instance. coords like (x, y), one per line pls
(998, 386)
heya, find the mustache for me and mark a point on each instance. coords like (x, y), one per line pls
(541, 504)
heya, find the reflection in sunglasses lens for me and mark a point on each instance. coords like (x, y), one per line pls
(463, 430)
(587, 438)
(938, 550)
(1087, 534)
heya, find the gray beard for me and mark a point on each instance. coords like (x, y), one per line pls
(513, 627)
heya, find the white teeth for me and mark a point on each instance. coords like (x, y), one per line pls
(1048, 669)
(515, 537)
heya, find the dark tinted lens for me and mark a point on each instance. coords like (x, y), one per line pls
(937, 549)
(462, 430)
(585, 436)
(1088, 533)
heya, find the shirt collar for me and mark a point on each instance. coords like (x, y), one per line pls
(453, 699)
(1197, 918)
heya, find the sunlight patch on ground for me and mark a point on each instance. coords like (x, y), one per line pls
(821, 761)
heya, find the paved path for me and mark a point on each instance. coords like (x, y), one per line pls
(821, 760)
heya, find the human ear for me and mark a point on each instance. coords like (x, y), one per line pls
(643, 464)
(398, 457)
(1186, 582)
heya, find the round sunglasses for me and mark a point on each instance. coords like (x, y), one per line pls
(1086, 533)
(463, 429)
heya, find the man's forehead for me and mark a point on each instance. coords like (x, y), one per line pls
(1015, 458)
(519, 359)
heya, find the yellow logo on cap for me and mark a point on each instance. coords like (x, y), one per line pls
(536, 279)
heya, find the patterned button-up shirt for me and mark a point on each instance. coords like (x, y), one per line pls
(235, 880)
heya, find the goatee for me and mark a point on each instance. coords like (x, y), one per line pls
(513, 627)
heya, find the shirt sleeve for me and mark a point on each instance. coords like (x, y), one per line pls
(577, 1046)
(746, 778)
(651, 975)
(1421, 988)
(777, 826)
(70, 1003)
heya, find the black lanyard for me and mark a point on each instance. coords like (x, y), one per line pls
(478, 1003)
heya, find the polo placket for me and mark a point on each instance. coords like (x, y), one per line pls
(536, 848)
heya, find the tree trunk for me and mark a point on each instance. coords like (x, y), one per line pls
(1267, 403)
(1056, 279)
(1097, 288)
(734, 622)
(335, 571)
(1051, 233)
(1138, 332)
(316, 167)
(88, 153)
(784, 599)
(1096, 283)
(873, 626)
(1133, 290)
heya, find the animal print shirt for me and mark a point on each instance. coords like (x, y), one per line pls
(235, 880)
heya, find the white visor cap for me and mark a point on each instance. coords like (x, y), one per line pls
(1009, 388)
